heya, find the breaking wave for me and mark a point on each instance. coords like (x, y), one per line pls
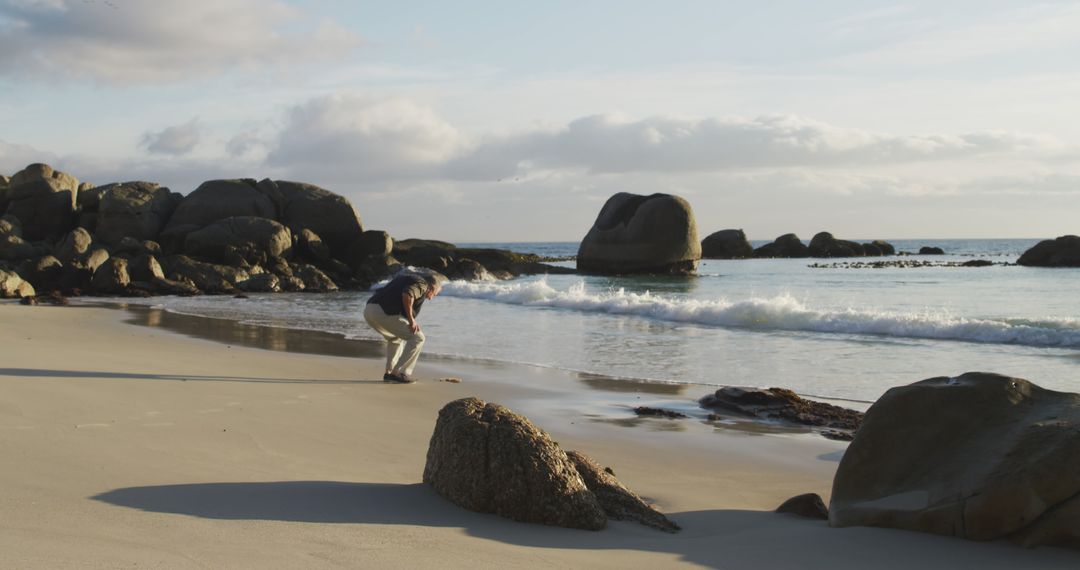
(782, 313)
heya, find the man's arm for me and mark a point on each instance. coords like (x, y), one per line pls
(407, 310)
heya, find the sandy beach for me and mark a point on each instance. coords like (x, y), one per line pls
(136, 446)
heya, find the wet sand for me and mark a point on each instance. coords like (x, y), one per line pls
(194, 443)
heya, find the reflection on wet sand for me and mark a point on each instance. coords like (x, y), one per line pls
(628, 385)
(255, 336)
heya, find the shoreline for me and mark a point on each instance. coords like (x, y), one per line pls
(140, 446)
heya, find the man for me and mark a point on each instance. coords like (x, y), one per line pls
(392, 312)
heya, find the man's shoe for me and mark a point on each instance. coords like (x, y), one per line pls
(398, 378)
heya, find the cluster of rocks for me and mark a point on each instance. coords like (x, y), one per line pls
(486, 458)
(904, 264)
(979, 456)
(226, 236)
(732, 244)
(786, 405)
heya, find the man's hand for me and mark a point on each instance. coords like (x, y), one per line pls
(414, 327)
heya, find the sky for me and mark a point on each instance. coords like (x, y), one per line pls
(500, 121)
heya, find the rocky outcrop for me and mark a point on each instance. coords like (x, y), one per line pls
(824, 244)
(883, 246)
(1061, 252)
(14, 286)
(618, 502)
(137, 210)
(782, 404)
(787, 245)
(978, 456)
(485, 458)
(808, 505)
(726, 244)
(253, 239)
(641, 234)
(931, 250)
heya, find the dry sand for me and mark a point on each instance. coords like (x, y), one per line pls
(127, 446)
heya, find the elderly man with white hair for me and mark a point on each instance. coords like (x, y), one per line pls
(392, 312)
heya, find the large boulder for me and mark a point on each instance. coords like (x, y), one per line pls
(823, 244)
(219, 199)
(641, 234)
(979, 456)
(787, 245)
(883, 246)
(207, 277)
(1061, 252)
(111, 278)
(485, 458)
(133, 209)
(256, 239)
(43, 200)
(75, 244)
(726, 244)
(329, 215)
(14, 286)
(13, 247)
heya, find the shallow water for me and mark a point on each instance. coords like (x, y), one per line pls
(830, 332)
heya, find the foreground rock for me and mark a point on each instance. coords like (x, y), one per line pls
(485, 458)
(618, 502)
(782, 404)
(980, 456)
(641, 234)
(726, 244)
(1061, 252)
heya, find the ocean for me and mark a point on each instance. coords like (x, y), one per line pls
(824, 328)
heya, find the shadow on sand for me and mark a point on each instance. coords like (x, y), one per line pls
(714, 539)
(43, 373)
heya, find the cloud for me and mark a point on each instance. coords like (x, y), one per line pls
(145, 41)
(346, 137)
(611, 144)
(243, 143)
(176, 141)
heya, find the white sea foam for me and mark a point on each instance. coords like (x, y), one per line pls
(781, 312)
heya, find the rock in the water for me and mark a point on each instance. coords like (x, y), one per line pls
(327, 214)
(618, 502)
(931, 250)
(807, 505)
(485, 458)
(255, 239)
(787, 245)
(112, 277)
(780, 403)
(824, 244)
(885, 247)
(1061, 252)
(219, 199)
(14, 286)
(641, 234)
(132, 209)
(726, 244)
(979, 456)
(262, 283)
